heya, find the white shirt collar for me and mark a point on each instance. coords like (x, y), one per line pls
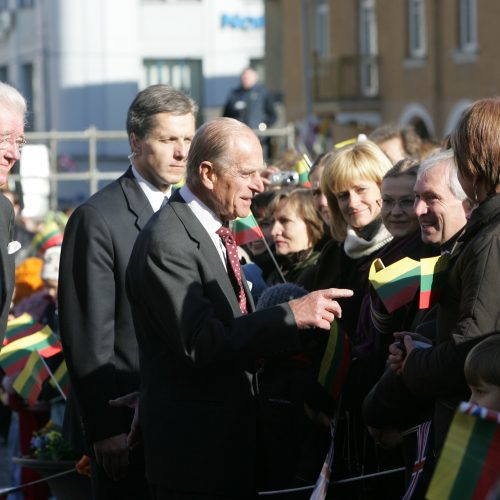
(153, 194)
(207, 218)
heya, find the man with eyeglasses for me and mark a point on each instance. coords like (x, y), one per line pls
(96, 326)
(12, 118)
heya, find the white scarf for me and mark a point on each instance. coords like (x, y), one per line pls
(356, 247)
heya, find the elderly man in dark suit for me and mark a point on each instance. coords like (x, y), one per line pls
(12, 119)
(198, 336)
(95, 319)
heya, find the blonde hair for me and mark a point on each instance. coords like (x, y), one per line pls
(359, 161)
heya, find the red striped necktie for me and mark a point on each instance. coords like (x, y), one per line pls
(234, 264)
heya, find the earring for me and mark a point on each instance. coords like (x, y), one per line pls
(475, 192)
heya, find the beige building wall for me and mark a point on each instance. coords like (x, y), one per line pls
(432, 90)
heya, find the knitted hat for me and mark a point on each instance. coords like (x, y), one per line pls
(278, 294)
(50, 235)
(50, 269)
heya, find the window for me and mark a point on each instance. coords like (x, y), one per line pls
(182, 74)
(368, 39)
(467, 15)
(27, 90)
(24, 4)
(4, 74)
(417, 46)
(322, 29)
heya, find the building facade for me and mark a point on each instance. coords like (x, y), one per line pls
(81, 62)
(354, 64)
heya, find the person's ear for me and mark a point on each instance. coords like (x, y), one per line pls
(208, 177)
(134, 144)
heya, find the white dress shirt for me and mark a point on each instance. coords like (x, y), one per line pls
(153, 194)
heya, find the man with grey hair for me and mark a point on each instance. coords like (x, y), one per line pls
(96, 325)
(395, 404)
(199, 337)
(12, 120)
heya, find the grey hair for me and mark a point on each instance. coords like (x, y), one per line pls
(11, 99)
(446, 157)
(212, 142)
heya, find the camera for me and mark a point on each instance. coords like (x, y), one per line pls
(284, 178)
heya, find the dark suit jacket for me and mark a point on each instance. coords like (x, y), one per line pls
(96, 325)
(7, 266)
(197, 410)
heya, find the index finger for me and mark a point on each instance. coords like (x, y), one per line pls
(339, 293)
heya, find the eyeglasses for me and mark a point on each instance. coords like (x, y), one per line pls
(405, 204)
(7, 141)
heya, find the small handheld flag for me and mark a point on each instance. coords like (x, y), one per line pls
(20, 327)
(335, 362)
(246, 229)
(432, 272)
(397, 284)
(28, 383)
(468, 467)
(15, 355)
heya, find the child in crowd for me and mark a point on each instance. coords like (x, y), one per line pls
(482, 371)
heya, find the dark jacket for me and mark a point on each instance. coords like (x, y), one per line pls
(96, 324)
(197, 410)
(469, 310)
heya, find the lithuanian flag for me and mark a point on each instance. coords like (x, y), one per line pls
(469, 465)
(302, 167)
(61, 376)
(28, 383)
(397, 284)
(432, 273)
(14, 356)
(335, 362)
(246, 229)
(20, 327)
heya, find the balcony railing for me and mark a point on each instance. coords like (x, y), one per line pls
(346, 78)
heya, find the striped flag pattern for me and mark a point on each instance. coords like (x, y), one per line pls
(28, 383)
(422, 431)
(14, 356)
(469, 464)
(302, 167)
(432, 271)
(397, 284)
(335, 362)
(61, 376)
(246, 229)
(20, 327)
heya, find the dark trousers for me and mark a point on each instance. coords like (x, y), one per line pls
(133, 487)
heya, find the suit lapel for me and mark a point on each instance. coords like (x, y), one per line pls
(199, 234)
(137, 201)
(6, 259)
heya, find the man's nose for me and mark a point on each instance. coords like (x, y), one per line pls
(181, 150)
(420, 207)
(257, 185)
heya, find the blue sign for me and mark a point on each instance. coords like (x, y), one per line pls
(242, 22)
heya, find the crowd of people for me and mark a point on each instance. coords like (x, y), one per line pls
(195, 365)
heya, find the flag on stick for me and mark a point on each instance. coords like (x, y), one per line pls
(302, 167)
(432, 272)
(20, 327)
(397, 284)
(14, 356)
(28, 383)
(335, 362)
(61, 379)
(246, 229)
(468, 467)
